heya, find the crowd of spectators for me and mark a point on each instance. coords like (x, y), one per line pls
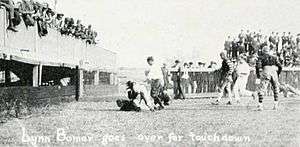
(34, 13)
(286, 46)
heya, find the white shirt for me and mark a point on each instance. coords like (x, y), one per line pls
(185, 73)
(243, 69)
(154, 72)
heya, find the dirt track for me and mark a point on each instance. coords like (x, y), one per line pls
(196, 122)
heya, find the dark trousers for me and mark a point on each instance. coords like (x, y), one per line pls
(178, 90)
(128, 105)
(156, 91)
(265, 80)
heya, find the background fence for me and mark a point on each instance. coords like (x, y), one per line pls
(38, 96)
(207, 80)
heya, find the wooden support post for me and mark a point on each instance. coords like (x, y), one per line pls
(37, 76)
(7, 78)
(111, 79)
(79, 83)
(96, 77)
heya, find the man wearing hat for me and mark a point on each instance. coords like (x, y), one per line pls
(178, 90)
(268, 69)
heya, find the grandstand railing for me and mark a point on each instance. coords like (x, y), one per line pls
(52, 49)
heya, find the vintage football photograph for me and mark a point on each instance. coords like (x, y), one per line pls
(149, 73)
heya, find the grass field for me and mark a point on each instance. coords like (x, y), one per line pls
(191, 122)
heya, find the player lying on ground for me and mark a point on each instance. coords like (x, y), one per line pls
(133, 104)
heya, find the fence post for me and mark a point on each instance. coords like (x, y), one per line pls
(96, 77)
(79, 83)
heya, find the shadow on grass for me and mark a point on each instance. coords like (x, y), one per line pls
(207, 108)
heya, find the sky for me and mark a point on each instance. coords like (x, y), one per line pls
(189, 30)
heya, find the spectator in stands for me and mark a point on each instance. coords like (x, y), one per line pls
(34, 12)
(228, 45)
(40, 17)
(277, 39)
(235, 48)
(289, 37)
(10, 7)
(68, 26)
(242, 37)
(272, 40)
(284, 39)
(298, 42)
(241, 47)
(78, 29)
(26, 8)
(50, 18)
(95, 34)
(248, 41)
(14, 17)
(58, 21)
(89, 34)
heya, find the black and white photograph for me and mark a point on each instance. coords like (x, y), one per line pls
(153, 73)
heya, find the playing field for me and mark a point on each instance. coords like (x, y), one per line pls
(191, 122)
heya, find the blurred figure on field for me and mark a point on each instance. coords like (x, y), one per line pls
(166, 75)
(185, 78)
(193, 78)
(226, 79)
(176, 78)
(228, 46)
(243, 71)
(155, 78)
(268, 69)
